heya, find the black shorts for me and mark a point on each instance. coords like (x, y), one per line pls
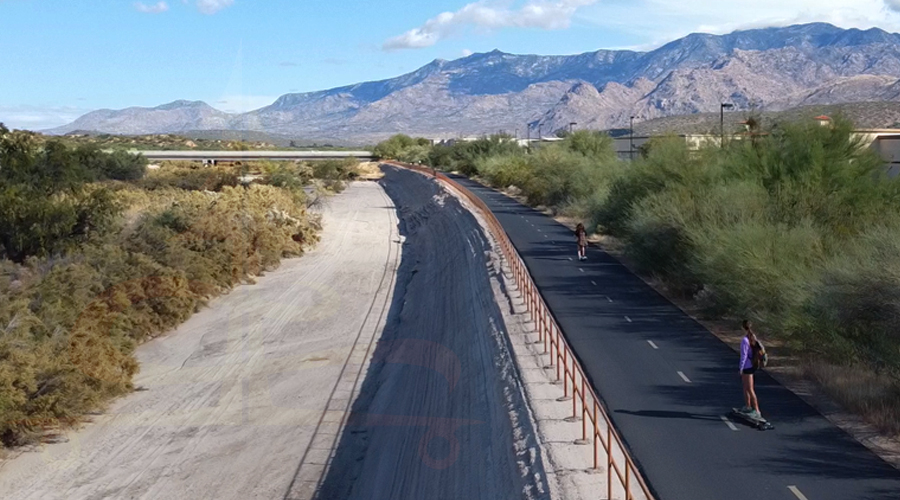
(749, 371)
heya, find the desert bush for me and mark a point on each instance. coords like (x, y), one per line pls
(117, 165)
(46, 206)
(403, 148)
(875, 396)
(191, 177)
(644, 177)
(334, 174)
(853, 312)
(595, 145)
(69, 323)
(503, 171)
(463, 156)
(792, 228)
(562, 177)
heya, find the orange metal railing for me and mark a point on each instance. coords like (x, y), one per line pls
(596, 425)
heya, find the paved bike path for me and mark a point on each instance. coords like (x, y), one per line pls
(667, 383)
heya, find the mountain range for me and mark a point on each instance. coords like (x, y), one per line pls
(767, 69)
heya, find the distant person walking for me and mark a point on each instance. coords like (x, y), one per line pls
(752, 353)
(581, 238)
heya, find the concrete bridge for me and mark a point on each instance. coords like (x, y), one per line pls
(210, 156)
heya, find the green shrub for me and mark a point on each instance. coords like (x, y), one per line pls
(503, 171)
(403, 148)
(117, 165)
(191, 177)
(46, 207)
(853, 312)
(595, 145)
(70, 323)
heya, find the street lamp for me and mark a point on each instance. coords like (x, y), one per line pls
(722, 109)
(631, 140)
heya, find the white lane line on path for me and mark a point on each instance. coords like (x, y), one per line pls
(797, 493)
(627, 319)
(728, 422)
(653, 344)
(684, 377)
(594, 283)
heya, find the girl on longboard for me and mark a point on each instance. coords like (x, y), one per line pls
(581, 238)
(750, 348)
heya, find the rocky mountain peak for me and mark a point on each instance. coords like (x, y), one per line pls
(484, 92)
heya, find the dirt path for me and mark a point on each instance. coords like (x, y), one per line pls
(245, 399)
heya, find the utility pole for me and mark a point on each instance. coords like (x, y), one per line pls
(631, 140)
(722, 109)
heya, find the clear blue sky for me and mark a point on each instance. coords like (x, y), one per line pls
(61, 58)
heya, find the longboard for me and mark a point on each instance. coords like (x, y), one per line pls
(761, 424)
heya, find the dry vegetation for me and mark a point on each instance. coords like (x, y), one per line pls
(161, 142)
(76, 299)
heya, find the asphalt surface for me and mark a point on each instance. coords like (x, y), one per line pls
(668, 384)
(441, 413)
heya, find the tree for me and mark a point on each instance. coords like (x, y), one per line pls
(45, 204)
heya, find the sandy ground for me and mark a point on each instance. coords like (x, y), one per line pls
(246, 398)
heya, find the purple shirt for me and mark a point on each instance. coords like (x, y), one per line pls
(746, 354)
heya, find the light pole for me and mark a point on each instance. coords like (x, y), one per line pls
(722, 109)
(631, 140)
(540, 125)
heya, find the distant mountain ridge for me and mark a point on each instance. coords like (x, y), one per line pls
(768, 69)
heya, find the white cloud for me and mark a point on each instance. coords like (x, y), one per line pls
(213, 6)
(542, 14)
(157, 8)
(467, 53)
(894, 5)
(38, 117)
(242, 103)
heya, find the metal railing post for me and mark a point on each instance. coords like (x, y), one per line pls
(609, 461)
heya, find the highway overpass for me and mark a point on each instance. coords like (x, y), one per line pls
(253, 155)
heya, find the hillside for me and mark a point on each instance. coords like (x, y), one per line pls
(770, 69)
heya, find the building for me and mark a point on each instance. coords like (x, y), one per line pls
(886, 142)
(628, 147)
